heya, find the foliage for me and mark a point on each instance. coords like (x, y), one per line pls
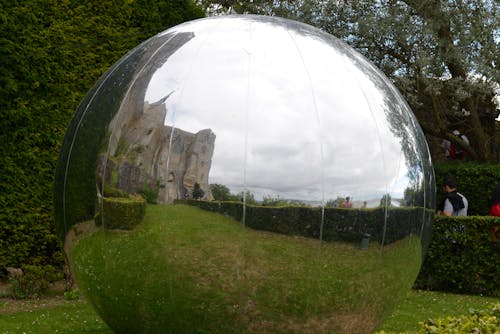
(220, 192)
(73, 294)
(34, 281)
(198, 193)
(274, 201)
(122, 213)
(331, 224)
(420, 305)
(475, 181)
(149, 194)
(386, 201)
(52, 52)
(477, 321)
(462, 257)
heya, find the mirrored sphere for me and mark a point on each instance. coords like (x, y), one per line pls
(244, 174)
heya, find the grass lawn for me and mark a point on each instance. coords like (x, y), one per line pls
(56, 315)
(184, 269)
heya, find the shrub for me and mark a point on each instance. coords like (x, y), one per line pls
(349, 225)
(482, 321)
(462, 257)
(122, 213)
(34, 281)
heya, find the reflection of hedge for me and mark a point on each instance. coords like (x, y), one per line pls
(122, 213)
(348, 225)
(462, 257)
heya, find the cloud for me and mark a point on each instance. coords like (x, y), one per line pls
(293, 116)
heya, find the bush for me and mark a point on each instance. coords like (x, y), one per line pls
(339, 224)
(34, 281)
(484, 321)
(122, 212)
(462, 257)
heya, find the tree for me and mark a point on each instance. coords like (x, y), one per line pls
(198, 193)
(386, 201)
(247, 196)
(220, 192)
(443, 55)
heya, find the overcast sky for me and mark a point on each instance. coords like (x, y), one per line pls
(293, 114)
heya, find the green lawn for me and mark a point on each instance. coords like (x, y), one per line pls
(184, 269)
(78, 317)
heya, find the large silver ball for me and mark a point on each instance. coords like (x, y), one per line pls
(202, 185)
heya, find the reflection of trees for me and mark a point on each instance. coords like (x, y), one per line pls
(197, 191)
(404, 127)
(386, 201)
(220, 192)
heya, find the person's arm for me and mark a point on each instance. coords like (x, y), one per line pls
(448, 208)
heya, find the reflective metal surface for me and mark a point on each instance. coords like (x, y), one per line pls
(268, 124)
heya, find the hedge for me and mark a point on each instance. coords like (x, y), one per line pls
(51, 54)
(475, 181)
(122, 212)
(461, 258)
(339, 224)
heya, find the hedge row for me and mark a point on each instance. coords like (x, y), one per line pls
(463, 257)
(52, 52)
(339, 224)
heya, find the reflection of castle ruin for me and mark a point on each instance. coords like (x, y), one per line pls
(141, 147)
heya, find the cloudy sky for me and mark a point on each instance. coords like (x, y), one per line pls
(293, 114)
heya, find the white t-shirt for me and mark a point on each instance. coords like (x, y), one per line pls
(449, 208)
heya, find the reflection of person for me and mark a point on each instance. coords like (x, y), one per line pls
(454, 150)
(454, 203)
(347, 203)
(495, 202)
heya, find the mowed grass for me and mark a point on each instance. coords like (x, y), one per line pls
(78, 317)
(188, 270)
(419, 306)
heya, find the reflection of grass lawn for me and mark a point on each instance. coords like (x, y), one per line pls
(185, 269)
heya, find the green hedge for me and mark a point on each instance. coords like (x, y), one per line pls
(122, 213)
(347, 225)
(475, 181)
(52, 52)
(462, 257)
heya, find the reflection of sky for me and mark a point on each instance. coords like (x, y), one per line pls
(293, 116)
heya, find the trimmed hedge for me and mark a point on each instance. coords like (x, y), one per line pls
(339, 224)
(122, 213)
(51, 54)
(462, 257)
